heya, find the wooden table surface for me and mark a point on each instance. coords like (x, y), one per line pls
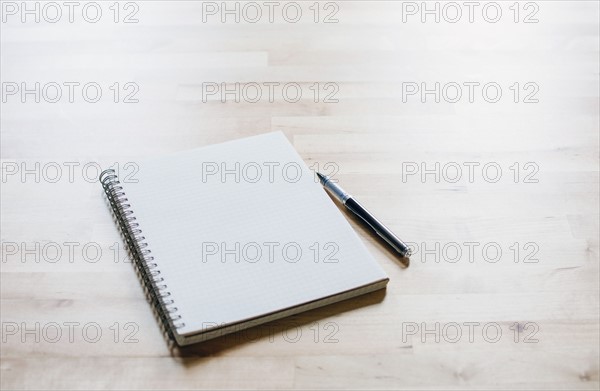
(495, 186)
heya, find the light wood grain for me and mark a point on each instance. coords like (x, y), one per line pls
(369, 136)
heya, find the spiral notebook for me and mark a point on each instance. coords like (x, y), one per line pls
(233, 235)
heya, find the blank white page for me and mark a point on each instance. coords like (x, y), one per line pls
(243, 229)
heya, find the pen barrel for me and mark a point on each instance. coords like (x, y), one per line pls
(386, 234)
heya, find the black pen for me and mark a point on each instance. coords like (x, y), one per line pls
(356, 208)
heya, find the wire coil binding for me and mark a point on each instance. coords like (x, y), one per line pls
(148, 268)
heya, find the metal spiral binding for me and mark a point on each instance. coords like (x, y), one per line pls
(148, 268)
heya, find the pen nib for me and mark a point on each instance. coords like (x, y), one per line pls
(322, 178)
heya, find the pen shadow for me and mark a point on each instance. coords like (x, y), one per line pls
(195, 354)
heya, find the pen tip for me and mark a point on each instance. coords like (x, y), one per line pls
(322, 178)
